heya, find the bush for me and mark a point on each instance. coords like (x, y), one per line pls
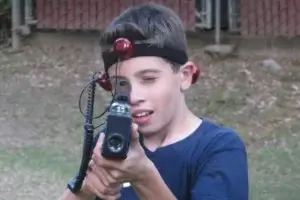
(5, 20)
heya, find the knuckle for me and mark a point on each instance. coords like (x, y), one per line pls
(118, 196)
(111, 180)
(104, 190)
(87, 186)
(94, 168)
(88, 176)
(91, 165)
(114, 174)
(99, 195)
(95, 153)
(104, 181)
(111, 196)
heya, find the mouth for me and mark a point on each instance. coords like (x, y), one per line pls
(142, 117)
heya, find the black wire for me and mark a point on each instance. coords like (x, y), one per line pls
(112, 99)
(95, 78)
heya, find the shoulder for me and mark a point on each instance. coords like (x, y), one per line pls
(211, 139)
(220, 153)
(218, 137)
(208, 139)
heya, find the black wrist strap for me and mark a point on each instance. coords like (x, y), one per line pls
(72, 187)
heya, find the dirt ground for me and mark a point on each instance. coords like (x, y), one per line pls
(40, 149)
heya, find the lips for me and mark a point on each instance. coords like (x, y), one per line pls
(142, 116)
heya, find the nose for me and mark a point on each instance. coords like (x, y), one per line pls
(137, 95)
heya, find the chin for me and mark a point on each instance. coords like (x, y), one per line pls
(147, 130)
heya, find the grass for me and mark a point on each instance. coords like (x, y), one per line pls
(34, 173)
(275, 171)
(41, 128)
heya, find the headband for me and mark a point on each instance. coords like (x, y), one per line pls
(124, 49)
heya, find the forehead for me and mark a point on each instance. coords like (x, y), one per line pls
(139, 65)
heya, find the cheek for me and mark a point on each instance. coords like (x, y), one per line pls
(163, 96)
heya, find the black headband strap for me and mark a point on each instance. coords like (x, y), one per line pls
(177, 56)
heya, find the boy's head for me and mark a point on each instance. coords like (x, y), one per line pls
(157, 83)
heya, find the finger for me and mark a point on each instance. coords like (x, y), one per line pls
(134, 133)
(100, 142)
(109, 179)
(89, 185)
(105, 177)
(97, 149)
(100, 173)
(102, 162)
(91, 164)
(95, 185)
(111, 197)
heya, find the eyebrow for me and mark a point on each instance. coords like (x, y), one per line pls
(139, 73)
(118, 76)
(142, 72)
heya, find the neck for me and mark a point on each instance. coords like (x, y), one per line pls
(181, 126)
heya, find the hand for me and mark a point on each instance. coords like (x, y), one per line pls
(98, 182)
(132, 169)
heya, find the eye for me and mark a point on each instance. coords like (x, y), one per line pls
(118, 80)
(149, 79)
(123, 83)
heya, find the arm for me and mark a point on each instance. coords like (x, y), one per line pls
(224, 175)
(68, 195)
(152, 186)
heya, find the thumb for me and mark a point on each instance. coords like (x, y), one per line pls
(100, 141)
(134, 133)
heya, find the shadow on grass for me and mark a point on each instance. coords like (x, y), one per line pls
(35, 173)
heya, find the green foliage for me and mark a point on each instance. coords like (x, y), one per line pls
(5, 19)
(5, 7)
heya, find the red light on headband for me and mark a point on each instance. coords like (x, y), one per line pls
(196, 74)
(104, 82)
(123, 47)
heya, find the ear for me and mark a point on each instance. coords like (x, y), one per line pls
(187, 75)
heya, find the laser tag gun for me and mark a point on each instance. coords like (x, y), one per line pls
(118, 123)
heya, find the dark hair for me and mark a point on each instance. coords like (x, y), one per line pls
(147, 23)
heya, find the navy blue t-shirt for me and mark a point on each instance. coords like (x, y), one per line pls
(210, 164)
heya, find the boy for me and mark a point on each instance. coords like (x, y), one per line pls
(180, 155)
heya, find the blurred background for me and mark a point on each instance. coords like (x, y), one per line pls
(250, 58)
